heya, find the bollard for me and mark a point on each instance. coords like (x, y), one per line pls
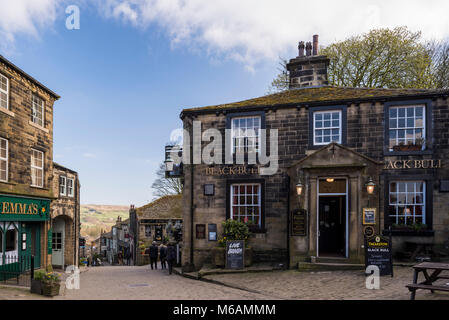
(32, 267)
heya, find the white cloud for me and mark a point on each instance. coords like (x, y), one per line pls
(251, 31)
(26, 17)
(89, 155)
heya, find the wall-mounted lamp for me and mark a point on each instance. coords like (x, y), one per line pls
(330, 180)
(299, 187)
(370, 186)
(169, 165)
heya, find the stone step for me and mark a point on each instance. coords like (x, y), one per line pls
(321, 266)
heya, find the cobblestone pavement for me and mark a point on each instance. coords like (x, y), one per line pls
(340, 285)
(138, 283)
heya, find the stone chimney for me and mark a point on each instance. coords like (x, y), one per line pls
(309, 70)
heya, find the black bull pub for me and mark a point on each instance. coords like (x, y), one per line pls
(352, 163)
(22, 229)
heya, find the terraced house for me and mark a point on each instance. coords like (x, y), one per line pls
(26, 169)
(352, 162)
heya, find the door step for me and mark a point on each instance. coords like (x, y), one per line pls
(322, 266)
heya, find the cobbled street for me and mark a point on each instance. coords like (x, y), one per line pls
(140, 283)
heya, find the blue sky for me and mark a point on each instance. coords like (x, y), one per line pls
(126, 74)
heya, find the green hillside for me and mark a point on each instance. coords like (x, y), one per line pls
(95, 218)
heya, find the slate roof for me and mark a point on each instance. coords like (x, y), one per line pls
(166, 207)
(323, 94)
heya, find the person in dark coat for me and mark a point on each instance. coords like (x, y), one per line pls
(163, 256)
(171, 256)
(153, 255)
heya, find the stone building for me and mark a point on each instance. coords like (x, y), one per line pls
(26, 166)
(65, 217)
(351, 162)
(157, 221)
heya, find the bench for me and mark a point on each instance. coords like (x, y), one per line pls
(427, 284)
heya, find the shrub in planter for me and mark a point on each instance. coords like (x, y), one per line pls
(46, 283)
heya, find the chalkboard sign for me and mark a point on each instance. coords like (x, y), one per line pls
(299, 222)
(235, 250)
(378, 253)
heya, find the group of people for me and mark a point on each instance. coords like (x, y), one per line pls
(124, 257)
(167, 255)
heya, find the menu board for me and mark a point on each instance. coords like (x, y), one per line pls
(378, 253)
(235, 250)
(299, 222)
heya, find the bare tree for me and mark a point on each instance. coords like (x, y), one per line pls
(439, 52)
(163, 186)
(280, 83)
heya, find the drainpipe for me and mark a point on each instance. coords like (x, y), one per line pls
(192, 208)
(288, 222)
(75, 260)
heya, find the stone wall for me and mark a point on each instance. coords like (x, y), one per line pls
(365, 135)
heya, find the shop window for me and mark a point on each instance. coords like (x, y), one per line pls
(4, 92)
(37, 115)
(37, 168)
(11, 240)
(3, 159)
(326, 127)
(407, 202)
(407, 128)
(245, 133)
(62, 185)
(246, 203)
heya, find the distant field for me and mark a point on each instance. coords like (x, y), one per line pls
(95, 218)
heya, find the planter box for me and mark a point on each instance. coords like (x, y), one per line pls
(51, 289)
(410, 147)
(36, 286)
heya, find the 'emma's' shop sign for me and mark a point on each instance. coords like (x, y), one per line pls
(23, 209)
(413, 164)
(231, 171)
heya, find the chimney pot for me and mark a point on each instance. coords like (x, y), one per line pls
(301, 49)
(308, 49)
(315, 45)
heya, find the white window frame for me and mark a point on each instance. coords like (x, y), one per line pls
(34, 118)
(327, 128)
(5, 92)
(62, 185)
(414, 128)
(5, 159)
(407, 203)
(245, 136)
(70, 189)
(259, 202)
(37, 168)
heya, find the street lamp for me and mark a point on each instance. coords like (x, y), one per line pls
(370, 186)
(169, 165)
(299, 187)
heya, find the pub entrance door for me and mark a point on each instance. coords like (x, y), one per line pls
(332, 218)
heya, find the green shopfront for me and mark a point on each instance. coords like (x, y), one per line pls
(23, 223)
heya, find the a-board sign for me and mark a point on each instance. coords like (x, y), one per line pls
(299, 222)
(235, 251)
(378, 253)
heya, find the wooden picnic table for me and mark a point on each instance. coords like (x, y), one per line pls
(427, 284)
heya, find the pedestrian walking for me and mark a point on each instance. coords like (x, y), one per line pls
(163, 256)
(120, 258)
(153, 255)
(171, 256)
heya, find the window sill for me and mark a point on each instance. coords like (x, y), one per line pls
(31, 123)
(409, 233)
(407, 153)
(41, 188)
(7, 182)
(9, 113)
